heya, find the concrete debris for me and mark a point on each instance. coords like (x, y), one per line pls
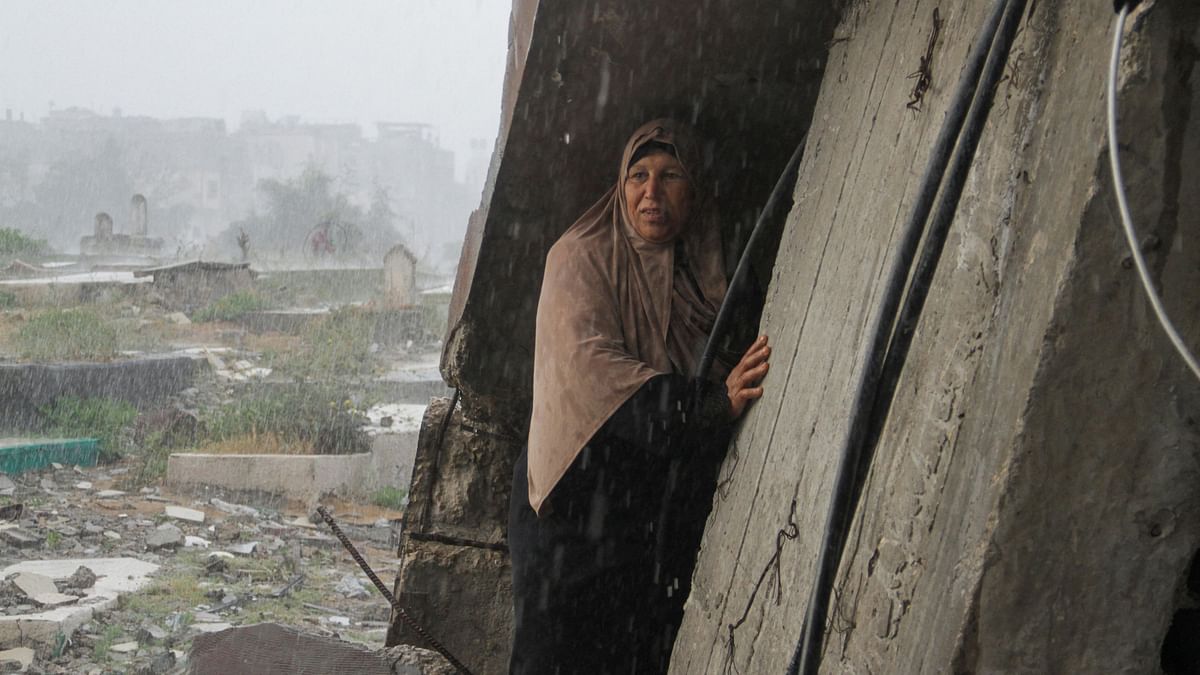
(21, 539)
(83, 577)
(17, 660)
(54, 599)
(83, 485)
(234, 509)
(151, 633)
(248, 548)
(164, 536)
(410, 660)
(351, 587)
(75, 599)
(183, 513)
(178, 318)
(32, 584)
(7, 486)
(114, 577)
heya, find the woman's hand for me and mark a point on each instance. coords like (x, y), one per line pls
(742, 385)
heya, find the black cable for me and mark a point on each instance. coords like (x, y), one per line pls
(741, 275)
(885, 357)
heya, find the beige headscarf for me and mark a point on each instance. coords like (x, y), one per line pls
(615, 311)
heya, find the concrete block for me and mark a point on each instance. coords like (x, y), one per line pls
(268, 479)
(1038, 466)
(436, 585)
(461, 486)
(183, 513)
(114, 577)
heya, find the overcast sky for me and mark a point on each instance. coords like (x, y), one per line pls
(435, 61)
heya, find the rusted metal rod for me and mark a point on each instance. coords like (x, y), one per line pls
(408, 620)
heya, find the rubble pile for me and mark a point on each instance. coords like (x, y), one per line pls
(98, 580)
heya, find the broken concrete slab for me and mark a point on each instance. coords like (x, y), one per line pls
(234, 509)
(211, 626)
(184, 513)
(110, 494)
(32, 584)
(115, 577)
(124, 648)
(16, 660)
(54, 599)
(164, 536)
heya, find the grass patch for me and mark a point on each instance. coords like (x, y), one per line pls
(100, 418)
(318, 417)
(105, 642)
(337, 346)
(390, 498)
(258, 444)
(231, 307)
(67, 334)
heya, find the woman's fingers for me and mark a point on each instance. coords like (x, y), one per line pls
(749, 372)
(751, 376)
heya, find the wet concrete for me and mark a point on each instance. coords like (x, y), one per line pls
(26, 387)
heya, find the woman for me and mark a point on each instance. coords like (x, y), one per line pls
(611, 493)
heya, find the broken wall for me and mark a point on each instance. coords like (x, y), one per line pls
(1034, 504)
(581, 78)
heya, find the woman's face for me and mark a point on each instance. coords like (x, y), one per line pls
(658, 197)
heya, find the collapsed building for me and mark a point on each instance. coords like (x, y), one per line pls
(1034, 500)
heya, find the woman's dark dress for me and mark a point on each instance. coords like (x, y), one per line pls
(599, 579)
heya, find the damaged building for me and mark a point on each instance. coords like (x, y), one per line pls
(1034, 503)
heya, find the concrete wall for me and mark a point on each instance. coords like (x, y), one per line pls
(1034, 504)
(303, 478)
(24, 388)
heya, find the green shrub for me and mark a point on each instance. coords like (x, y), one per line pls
(231, 307)
(100, 418)
(8, 300)
(390, 498)
(67, 334)
(319, 416)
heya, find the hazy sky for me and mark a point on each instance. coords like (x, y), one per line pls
(435, 61)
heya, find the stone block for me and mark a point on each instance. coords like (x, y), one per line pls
(462, 596)
(461, 486)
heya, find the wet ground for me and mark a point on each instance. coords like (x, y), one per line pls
(220, 564)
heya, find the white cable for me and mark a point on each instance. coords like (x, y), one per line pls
(1123, 203)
